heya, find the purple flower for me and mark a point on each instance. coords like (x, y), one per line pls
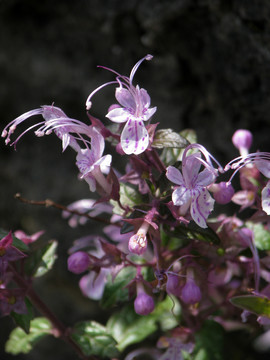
(191, 190)
(12, 300)
(84, 139)
(135, 110)
(8, 252)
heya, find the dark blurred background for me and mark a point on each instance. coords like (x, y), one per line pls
(210, 72)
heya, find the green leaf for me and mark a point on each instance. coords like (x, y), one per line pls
(20, 342)
(24, 320)
(261, 236)
(167, 138)
(210, 342)
(115, 290)
(128, 328)
(42, 260)
(129, 196)
(94, 339)
(254, 304)
(194, 232)
(171, 155)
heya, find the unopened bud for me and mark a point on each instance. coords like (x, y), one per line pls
(78, 262)
(137, 243)
(242, 140)
(144, 304)
(222, 192)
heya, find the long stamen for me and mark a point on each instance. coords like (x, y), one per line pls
(88, 101)
(206, 154)
(135, 67)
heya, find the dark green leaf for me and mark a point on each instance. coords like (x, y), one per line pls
(115, 291)
(20, 342)
(194, 232)
(23, 320)
(94, 339)
(254, 304)
(167, 138)
(210, 342)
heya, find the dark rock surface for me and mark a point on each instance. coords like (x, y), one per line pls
(210, 72)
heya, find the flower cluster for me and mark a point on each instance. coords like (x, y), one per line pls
(164, 241)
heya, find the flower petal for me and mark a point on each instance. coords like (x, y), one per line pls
(134, 137)
(118, 115)
(191, 168)
(174, 175)
(264, 167)
(201, 207)
(266, 198)
(181, 196)
(205, 178)
(125, 98)
(148, 113)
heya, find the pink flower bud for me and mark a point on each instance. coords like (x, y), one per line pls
(242, 140)
(223, 192)
(144, 304)
(191, 293)
(137, 244)
(172, 285)
(78, 262)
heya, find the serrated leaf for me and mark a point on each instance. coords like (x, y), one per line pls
(261, 236)
(24, 320)
(129, 196)
(42, 260)
(115, 290)
(94, 339)
(210, 342)
(254, 304)
(128, 328)
(167, 138)
(171, 155)
(20, 342)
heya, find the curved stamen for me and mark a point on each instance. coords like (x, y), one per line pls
(206, 154)
(135, 67)
(88, 102)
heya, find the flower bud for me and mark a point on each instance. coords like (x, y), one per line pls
(172, 285)
(191, 293)
(222, 192)
(78, 262)
(144, 304)
(242, 140)
(137, 244)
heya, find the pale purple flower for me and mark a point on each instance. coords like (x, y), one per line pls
(191, 293)
(261, 160)
(134, 111)
(92, 164)
(192, 188)
(84, 139)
